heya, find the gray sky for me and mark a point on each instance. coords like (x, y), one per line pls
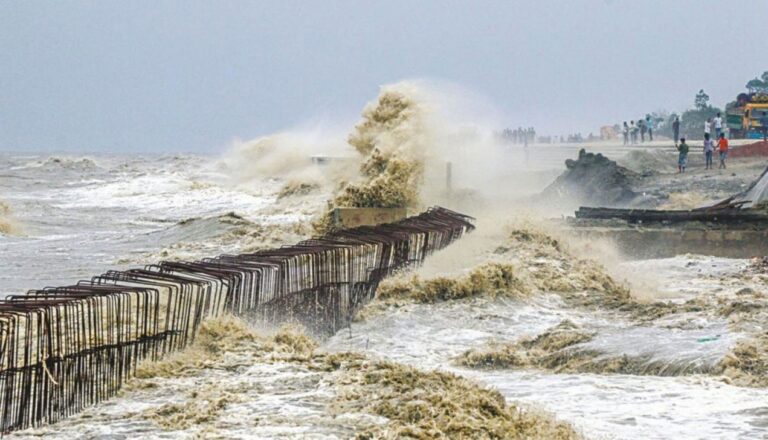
(191, 76)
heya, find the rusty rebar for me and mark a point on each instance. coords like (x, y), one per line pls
(65, 348)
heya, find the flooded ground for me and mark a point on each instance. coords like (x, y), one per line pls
(602, 405)
(77, 216)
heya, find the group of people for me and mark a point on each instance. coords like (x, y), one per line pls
(709, 151)
(520, 136)
(631, 130)
(717, 123)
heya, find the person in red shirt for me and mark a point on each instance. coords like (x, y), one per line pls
(722, 145)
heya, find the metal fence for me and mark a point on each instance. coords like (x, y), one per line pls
(65, 348)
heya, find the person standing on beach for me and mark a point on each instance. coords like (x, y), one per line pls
(632, 132)
(718, 126)
(625, 132)
(649, 124)
(709, 149)
(708, 127)
(676, 129)
(643, 128)
(722, 146)
(682, 157)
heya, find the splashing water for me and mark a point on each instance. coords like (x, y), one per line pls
(8, 226)
(562, 333)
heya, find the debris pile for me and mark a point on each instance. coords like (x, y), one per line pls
(593, 179)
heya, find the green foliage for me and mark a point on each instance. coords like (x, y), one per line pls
(692, 121)
(758, 85)
(702, 100)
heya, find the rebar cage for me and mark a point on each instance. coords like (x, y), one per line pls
(65, 348)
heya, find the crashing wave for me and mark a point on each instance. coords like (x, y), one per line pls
(391, 140)
(528, 261)
(376, 398)
(297, 189)
(488, 280)
(81, 164)
(198, 237)
(563, 349)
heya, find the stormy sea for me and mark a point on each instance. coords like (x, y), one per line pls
(518, 330)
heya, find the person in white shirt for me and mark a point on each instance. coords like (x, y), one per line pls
(707, 127)
(718, 126)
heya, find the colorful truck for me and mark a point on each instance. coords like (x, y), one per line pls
(742, 116)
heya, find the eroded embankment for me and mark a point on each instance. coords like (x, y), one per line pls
(531, 262)
(208, 392)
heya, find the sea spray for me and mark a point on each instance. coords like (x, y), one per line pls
(649, 162)
(390, 142)
(529, 261)
(296, 188)
(8, 225)
(288, 156)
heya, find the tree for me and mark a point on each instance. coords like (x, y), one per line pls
(758, 85)
(702, 100)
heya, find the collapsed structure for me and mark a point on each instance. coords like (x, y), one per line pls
(65, 348)
(734, 227)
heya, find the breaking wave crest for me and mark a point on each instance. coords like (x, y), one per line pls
(370, 398)
(68, 163)
(529, 261)
(198, 237)
(563, 349)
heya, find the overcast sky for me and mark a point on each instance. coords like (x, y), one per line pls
(192, 76)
